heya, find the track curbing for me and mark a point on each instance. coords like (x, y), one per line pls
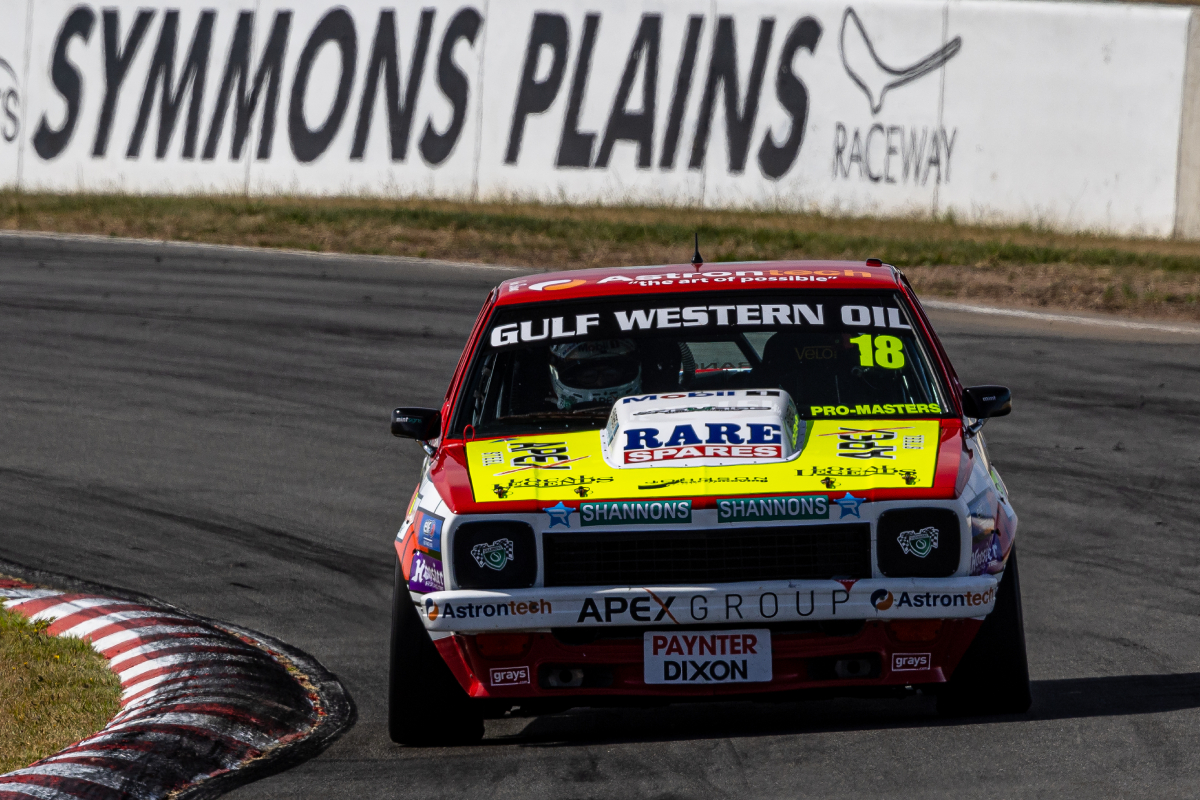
(205, 706)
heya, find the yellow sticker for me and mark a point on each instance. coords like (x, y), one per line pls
(839, 455)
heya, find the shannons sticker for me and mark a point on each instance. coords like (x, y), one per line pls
(760, 509)
(636, 512)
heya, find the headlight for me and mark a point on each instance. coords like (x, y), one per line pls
(494, 555)
(918, 543)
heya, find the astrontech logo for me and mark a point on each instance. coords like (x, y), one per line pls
(883, 600)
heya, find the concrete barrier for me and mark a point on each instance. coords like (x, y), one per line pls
(1078, 116)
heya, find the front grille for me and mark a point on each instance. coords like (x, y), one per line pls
(653, 558)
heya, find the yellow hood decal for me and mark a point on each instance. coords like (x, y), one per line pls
(845, 455)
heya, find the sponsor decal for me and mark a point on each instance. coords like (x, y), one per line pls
(495, 555)
(731, 606)
(849, 505)
(543, 329)
(914, 442)
(559, 515)
(510, 676)
(635, 512)
(536, 455)
(450, 610)
(936, 599)
(817, 469)
(773, 508)
(719, 440)
(882, 599)
(557, 285)
(623, 321)
(426, 574)
(704, 657)
(491, 459)
(865, 443)
(693, 481)
(639, 608)
(429, 531)
(918, 543)
(909, 476)
(706, 451)
(876, 410)
(986, 555)
(503, 490)
(678, 396)
(911, 662)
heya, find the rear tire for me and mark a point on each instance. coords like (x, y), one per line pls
(426, 704)
(993, 676)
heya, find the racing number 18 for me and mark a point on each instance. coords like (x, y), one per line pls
(888, 351)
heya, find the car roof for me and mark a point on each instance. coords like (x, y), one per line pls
(671, 278)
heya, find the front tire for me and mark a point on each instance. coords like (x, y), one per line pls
(426, 704)
(993, 676)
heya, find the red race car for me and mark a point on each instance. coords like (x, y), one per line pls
(665, 484)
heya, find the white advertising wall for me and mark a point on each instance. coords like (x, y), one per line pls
(1071, 115)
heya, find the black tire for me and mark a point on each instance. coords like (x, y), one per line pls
(993, 676)
(426, 704)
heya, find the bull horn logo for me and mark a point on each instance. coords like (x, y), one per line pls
(867, 69)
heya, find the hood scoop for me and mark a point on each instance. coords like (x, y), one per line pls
(702, 429)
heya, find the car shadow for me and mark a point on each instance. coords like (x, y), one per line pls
(1072, 698)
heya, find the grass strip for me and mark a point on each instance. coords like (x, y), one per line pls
(53, 691)
(1020, 265)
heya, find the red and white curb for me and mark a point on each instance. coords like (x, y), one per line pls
(200, 703)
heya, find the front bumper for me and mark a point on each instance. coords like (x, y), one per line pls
(722, 604)
(805, 659)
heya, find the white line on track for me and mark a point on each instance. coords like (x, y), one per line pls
(101, 241)
(1042, 316)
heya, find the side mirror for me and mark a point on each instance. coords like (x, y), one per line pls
(984, 402)
(422, 424)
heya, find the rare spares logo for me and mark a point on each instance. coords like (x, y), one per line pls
(721, 440)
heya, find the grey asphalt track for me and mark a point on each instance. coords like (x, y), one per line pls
(210, 427)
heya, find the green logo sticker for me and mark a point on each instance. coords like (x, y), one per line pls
(918, 543)
(495, 555)
(810, 506)
(636, 512)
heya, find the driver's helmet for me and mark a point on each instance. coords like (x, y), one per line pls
(594, 372)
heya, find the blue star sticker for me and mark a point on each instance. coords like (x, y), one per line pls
(561, 515)
(849, 504)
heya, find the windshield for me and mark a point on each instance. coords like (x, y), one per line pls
(561, 366)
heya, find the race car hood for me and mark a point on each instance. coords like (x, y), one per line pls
(698, 429)
(480, 476)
